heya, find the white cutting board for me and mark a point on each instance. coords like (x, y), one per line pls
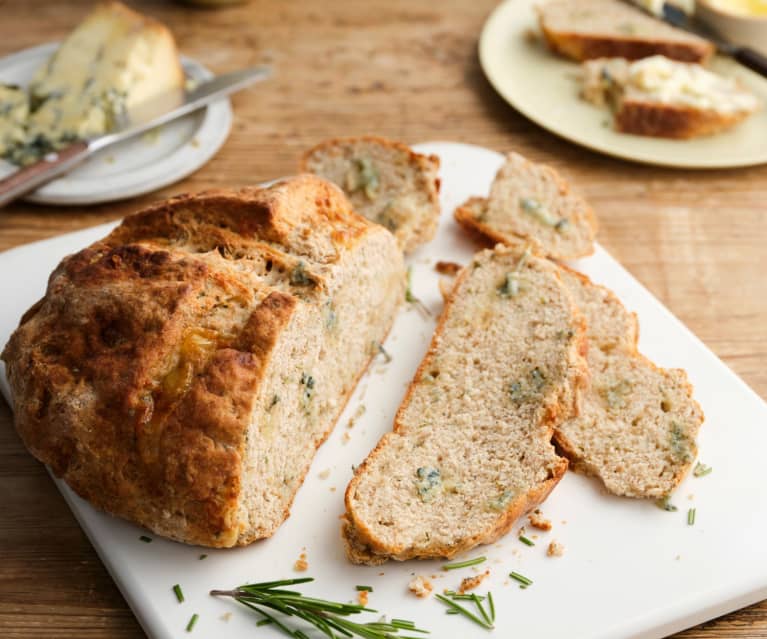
(629, 569)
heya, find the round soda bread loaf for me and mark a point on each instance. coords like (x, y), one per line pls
(471, 446)
(589, 29)
(530, 203)
(386, 181)
(181, 372)
(637, 425)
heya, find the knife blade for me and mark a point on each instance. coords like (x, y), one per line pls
(155, 112)
(677, 17)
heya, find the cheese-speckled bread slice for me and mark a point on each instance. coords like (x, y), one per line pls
(663, 98)
(587, 29)
(530, 203)
(471, 447)
(181, 372)
(386, 181)
(637, 426)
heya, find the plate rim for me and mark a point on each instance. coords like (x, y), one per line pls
(484, 46)
(214, 128)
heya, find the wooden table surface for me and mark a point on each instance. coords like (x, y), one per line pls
(406, 69)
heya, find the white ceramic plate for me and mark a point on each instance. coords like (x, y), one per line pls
(629, 570)
(544, 87)
(139, 165)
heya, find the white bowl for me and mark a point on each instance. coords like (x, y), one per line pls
(735, 27)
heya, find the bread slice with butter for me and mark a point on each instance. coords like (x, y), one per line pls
(115, 60)
(638, 423)
(386, 181)
(588, 29)
(531, 203)
(181, 372)
(471, 446)
(663, 98)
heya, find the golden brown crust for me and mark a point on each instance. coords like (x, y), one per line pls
(673, 121)
(579, 46)
(132, 383)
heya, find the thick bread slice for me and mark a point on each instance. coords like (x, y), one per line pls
(181, 372)
(471, 447)
(589, 29)
(662, 98)
(386, 182)
(637, 426)
(530, 203)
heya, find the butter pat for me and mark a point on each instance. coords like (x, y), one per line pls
(114, 61)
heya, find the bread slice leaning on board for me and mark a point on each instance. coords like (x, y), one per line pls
(530, 204)
(588, 29)
(386, 181)
(471, 447)
(637, 425)
(181, 372)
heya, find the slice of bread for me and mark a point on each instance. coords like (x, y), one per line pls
(471, 446)
(530, 203)
(663, 98)
(589, 29)
(637, 426)
(386, 181)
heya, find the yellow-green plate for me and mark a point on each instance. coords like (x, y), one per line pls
(544, 87)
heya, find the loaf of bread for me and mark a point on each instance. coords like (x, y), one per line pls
(386, 181)
(471, 446)
(637, 426)
(663, 98)
(589, 29)
(530, 204)
(181, 372)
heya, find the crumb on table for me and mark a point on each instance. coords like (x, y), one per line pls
(362, 597)
(447, 268)
(555, 549)
(420, 586)
(469, 583)
(301, 563)
(325, 474)
(537, 520)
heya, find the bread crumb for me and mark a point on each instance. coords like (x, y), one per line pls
(301, 564)
(324, 474)
(381, 574)
(555, 549)
(447, 268)
(332, 489)
(420, 586)
(346, 438)
(537, 520)
(531, 35)
(357, 414)
(226, 616)
(469, 583)
(690, 496)
(564, 521)
(362, 597)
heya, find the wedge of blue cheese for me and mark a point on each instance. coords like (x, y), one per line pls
(14, 110)
(113, 62)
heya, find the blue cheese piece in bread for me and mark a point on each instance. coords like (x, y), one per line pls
(114, 61)
(14, 109)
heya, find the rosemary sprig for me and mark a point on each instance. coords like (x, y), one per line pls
(464, 564)
(329, 617)
(523, 581)
(410, 296)
(458, 609)
(701, 470)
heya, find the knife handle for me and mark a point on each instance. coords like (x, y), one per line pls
(51, 166)
(752, 59)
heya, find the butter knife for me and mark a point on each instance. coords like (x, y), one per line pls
(160, 110)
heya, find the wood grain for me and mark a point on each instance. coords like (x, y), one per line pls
(406, 69)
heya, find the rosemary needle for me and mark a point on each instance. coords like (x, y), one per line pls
(410, 296)
(526, 541)
(524, 581)
(329, 617)
(179, 593)
(464, 564)
(691, 517)
(463, 611)
(145, 539)
(192, 621)
(364, 588)
(491, 603)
